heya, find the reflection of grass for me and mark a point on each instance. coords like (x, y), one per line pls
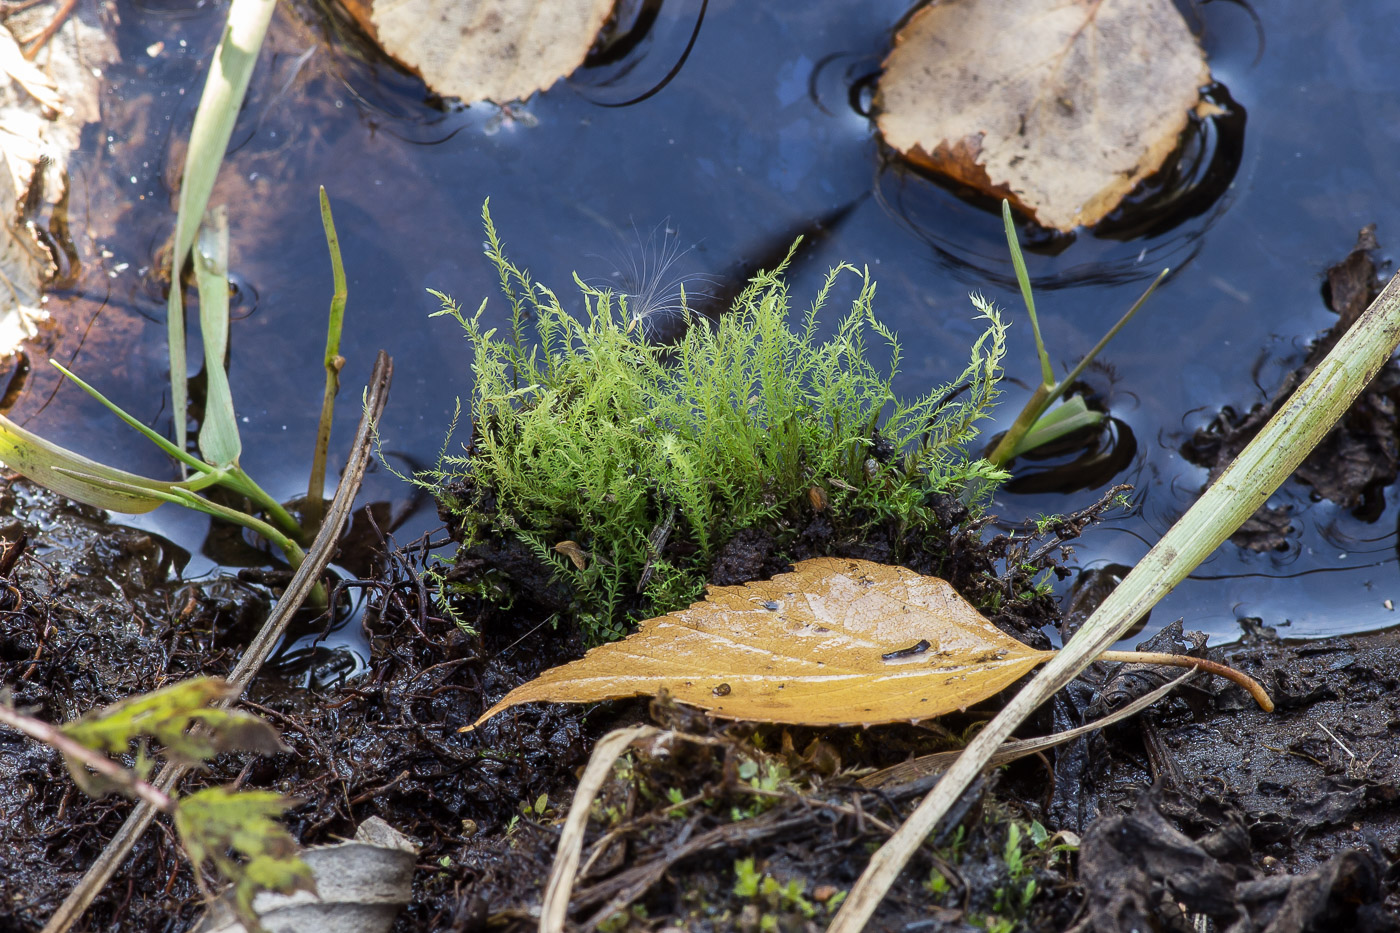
(627, 466)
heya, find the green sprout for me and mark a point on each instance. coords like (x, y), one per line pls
(1038, 424)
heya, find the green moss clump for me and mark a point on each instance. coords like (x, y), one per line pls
(649, 458)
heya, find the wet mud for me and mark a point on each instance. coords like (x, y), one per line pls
(1201, 811)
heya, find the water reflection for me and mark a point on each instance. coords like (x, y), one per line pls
(641, 50)
(1088, 459)
(761, 133)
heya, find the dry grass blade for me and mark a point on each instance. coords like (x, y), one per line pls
(917, 769)
(555, 908)
(303, 582)
(1245, 485)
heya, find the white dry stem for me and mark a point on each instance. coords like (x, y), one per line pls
(914, 769)
(1244, 486)
(555, 908)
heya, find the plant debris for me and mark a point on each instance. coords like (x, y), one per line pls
(475, 50)
(1360, 457)
(1062, 108)
(815, 646)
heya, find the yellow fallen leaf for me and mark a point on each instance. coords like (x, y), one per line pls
(836, 641)
(498, 50)
(1061, 106)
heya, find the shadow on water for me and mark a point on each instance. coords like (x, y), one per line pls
(742, 126)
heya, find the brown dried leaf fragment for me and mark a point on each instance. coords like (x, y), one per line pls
(1061, 106)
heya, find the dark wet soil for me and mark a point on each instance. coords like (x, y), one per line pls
(1261, 821)
(1202, 810)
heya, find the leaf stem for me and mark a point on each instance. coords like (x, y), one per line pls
(1029, 414)
(1183, 660)
(314, 504)
(243, 483)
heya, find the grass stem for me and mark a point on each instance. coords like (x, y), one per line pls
(314, 503)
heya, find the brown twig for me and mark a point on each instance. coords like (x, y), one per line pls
(12, 7)
(1184, 660)
(41, 38)
(305, 579)
(850, 811)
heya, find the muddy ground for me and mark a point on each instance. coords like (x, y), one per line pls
(1203, 813)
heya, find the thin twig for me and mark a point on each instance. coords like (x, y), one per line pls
(1350, 754)
(1185, 660)
(303, 582)
(114, 773)
(918, 774)
(12, 7)
(41, 38)
(848, 810)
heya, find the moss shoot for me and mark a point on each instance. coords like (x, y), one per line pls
(625, 466)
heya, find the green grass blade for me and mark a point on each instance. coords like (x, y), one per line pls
(1068, 381)
(183, 456)
(316, 482)
(1056, 423)
(75, 476)
(1269, 459)
(243, 484)
(1023, 278)
(229, 72)
(218, 435)
(180, 495)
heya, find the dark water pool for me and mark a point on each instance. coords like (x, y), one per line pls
(757, 138)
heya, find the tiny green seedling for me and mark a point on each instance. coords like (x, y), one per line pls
(1038, 424)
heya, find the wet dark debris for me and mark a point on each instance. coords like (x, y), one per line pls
(1284, 821)
(1359, 457)
(1256, 822)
